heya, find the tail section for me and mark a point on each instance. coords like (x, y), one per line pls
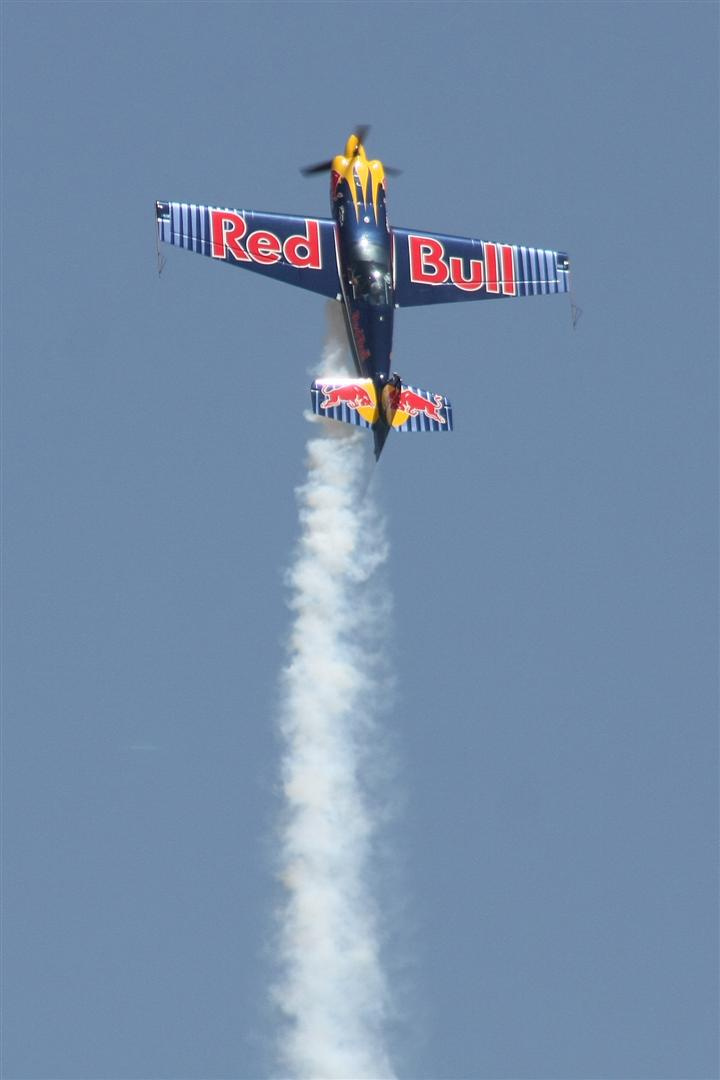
(380, 408)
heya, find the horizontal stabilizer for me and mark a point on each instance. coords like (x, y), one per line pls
(421, 410)
(353, 401)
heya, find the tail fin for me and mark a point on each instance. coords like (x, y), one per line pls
(420, 410)
(353, 401)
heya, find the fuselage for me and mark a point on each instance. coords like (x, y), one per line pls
(364, 245)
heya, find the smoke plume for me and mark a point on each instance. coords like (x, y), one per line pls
(332, 990)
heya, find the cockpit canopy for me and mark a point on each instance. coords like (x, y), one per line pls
(370, 283)
(369, 270)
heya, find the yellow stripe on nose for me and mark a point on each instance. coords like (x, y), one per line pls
(370, 174)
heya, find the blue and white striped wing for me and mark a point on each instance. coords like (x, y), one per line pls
(431, 268)
(299, 251)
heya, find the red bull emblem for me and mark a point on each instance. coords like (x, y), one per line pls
(228, 231)
(429, 265)
(407, 401)
(353, 395)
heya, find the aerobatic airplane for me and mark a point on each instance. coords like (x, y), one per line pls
(371, 268)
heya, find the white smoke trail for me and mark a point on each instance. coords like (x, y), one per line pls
(332, 989)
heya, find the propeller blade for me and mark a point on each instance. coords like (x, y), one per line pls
(361, 134)
(322, 166)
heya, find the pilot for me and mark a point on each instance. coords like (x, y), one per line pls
(377, 289)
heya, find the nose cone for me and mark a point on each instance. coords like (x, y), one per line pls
(354, 148)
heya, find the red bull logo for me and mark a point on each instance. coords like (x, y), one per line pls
(359, 396)
(407, 403)
(354, 395)
(228, 231)
(429, 265)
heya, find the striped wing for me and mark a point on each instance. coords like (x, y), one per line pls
(431, 268)
(297, 250)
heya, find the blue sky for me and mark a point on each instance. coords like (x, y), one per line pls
(550, 878)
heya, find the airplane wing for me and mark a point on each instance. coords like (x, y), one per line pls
(297, 250)
(434, 269)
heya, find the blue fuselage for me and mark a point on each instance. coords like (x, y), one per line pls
(366, 273)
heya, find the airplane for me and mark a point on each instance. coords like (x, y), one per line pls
(355, 257)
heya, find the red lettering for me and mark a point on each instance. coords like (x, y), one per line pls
(491, 269)
(228, 230)
(294, 245)
(426, 261)
(469, 284)
(359, 335)
(508, 268)
(264, 247)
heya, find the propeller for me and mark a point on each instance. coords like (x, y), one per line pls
(361, 133)
(322, 166)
